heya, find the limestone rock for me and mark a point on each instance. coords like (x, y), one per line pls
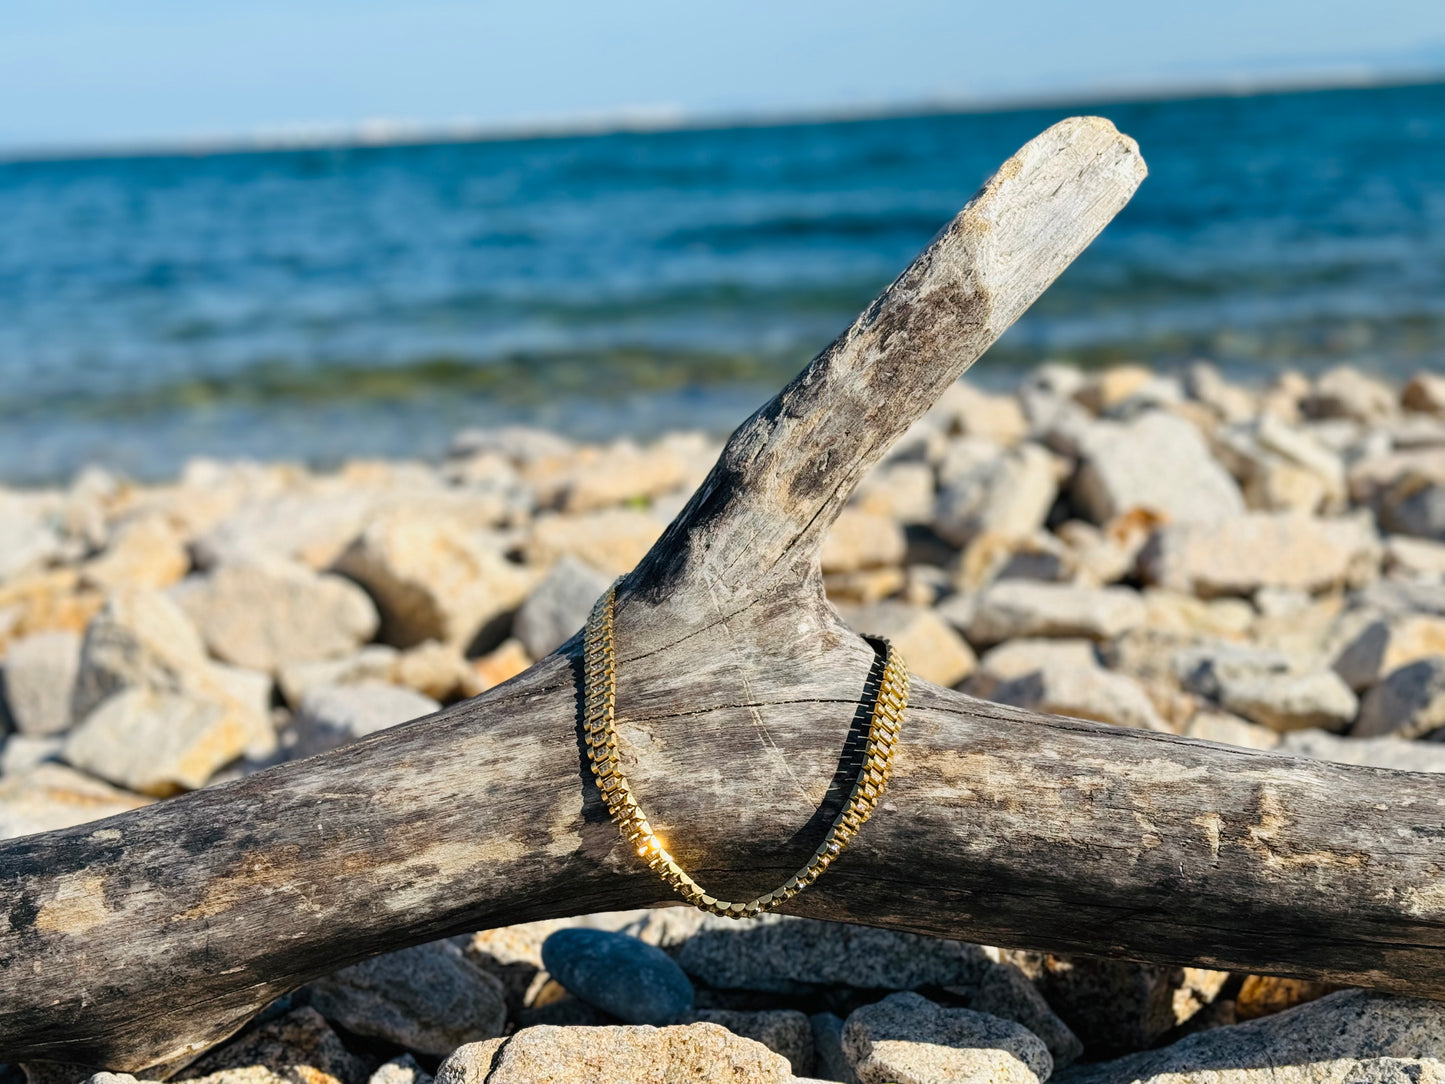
(1239, 555)
(502, 663)
(619, 473)
(429, 998)
(1409, 703)
(141, 639)
(432, 579)
(901, 491)
(19, 753)
(310, 527)
(1226, 729)
(558, 606)
(1343, 392)
(1106, 389)
(144, 552)
(907, 1037)
(159, 743)
(1012, 609)
(402, 1070)
(1386, 645)
(1003, 990)
(1267, 687)
(334, 715)
(1353, 1036)
(1388, 751)
(1203, 383)
(51, 796)
(1158, 462)
(39, 682)
(299, 1048)
(860, 540)
(783, 1031)
(781, 954)
(27, 541)
(268, 614)
(1425, 393)
(621, 975)
(1014, 659)
(1415, 556)
(933, 650)
(52, 601)
(436, 670)
(612, 540)
(374, 662)
(1083, 692)
(971, 412)
(1283, 702)
(1010, 495)
(699, 1053)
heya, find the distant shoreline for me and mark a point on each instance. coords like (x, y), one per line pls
(384, 132)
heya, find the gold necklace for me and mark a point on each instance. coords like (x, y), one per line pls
(601, 702)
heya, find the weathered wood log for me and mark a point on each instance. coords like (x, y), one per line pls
(137, 941)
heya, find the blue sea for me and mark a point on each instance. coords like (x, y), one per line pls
(317, 304)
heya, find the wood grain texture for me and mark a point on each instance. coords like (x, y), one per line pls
(137, 941)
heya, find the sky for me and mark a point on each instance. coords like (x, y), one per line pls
(82, 73)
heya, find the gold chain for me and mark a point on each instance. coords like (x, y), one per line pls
(601, 703)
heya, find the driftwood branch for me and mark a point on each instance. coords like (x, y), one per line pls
(136, 941)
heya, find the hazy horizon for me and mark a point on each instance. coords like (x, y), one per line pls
(82, 77)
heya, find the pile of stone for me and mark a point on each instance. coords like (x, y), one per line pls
(1258, 566)
(656, 997)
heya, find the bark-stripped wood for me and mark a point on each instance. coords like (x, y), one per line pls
(137, 941)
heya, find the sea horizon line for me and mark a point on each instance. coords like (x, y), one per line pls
(384, 132)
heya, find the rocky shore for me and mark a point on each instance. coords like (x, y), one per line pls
(1262, 566)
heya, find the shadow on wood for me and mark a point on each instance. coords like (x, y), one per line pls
(137, 941)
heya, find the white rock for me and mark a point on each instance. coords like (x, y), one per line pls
(266, 614)
(402, 1070)
(27, 541)
(901, 490)
(39, 681)
(1415, 556)
(1226, 729)
(337, 714)
(429, 998)
(1384, 752)
(1267, 687)
(1426, 393)
(906, 1037)
(1350, 1037)
(143, 552)
(1239, 555)
(860, 540)
(1343, 392)
(433, 579)
(612, 540)
(1009, 495)
(1011, 609)
(19, 753)
(1018, 658)
(558, 606)
(51, 796)
(1082, 692)
(965, 409)
(159, 743)
(699, 1053)
(1158, 462)
(375, 662)
(932, 649)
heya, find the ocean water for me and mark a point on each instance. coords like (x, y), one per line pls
(317, 304)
